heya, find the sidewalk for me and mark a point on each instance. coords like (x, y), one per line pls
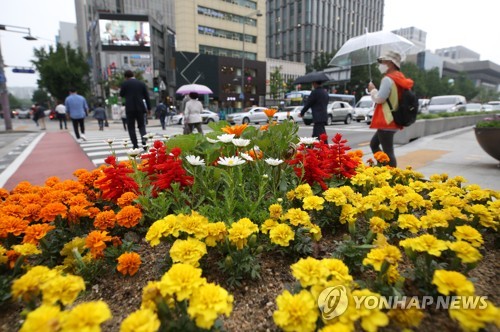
(56, 153)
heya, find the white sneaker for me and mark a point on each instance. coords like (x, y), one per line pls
(83, 137)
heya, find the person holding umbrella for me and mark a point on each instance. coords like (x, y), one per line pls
(391, 87)
(317, 102)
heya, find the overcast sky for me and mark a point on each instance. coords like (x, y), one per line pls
(447, 23)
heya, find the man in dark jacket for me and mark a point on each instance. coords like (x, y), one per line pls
(137, 105)
(317, 102)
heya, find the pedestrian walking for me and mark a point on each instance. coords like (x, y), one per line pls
(317, 102)
(77, 109)
(391, 87)
(161, 113)
(192, 113)
(100, 116)
(61, 115)
(40, 116)
(137, 105)
(123, 116)
(183, 109)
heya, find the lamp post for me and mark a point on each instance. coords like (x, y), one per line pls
(257, 13)
(4, 93)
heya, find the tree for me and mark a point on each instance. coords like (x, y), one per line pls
(60, 69)
(320, 62)
(40, 97)
(276, 83)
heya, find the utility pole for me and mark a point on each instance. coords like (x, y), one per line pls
(4, 95)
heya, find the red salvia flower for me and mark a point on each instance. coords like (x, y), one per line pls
(116, 180)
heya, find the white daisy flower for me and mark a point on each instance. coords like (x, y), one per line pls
(273, 162)
(195, 160)
(149, 135)
(225, 138)
(210, 140)
(241, 142)
(246, 156)
(134, 152)
(265, 176)
(231, 161)
(165, 136)
(109, 141)
(308, 140)
(125, 143)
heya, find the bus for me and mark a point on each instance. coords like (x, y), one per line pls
(299, 98)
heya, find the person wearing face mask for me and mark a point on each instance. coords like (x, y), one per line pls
(391, 87)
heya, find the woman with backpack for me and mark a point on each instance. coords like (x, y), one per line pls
(387, 99)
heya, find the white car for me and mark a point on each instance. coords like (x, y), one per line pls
(363, 107)
(337, 111)
(206, 117)
(291, 113)
(253, 114)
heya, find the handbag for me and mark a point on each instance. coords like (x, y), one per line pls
(106, 124)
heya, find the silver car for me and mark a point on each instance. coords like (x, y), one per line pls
(253, 114)
(291, 113)
(206, 117)
(337, 111)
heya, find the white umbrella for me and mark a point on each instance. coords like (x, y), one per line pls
(198, 88)
(365, 49)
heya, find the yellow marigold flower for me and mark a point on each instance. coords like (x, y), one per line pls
(77, 242)
(50, 211)
(207, 303)
(309, 271)
(409, 222)
(452, 282)
(26, 249)
(435, 218)
(336, 196)
(151, 295)
(162, 228)
(378, 225)
(216, 232)
(281, 235)
(315, 231)
(3, 254)
(181, 280)
(371, 319)
(474, 319)
(105, 220)
(377, 256)
(275, 211)
(297, 217)
(477, 195)
(465, 251)
(27, 287)
(415, 201)
(86, 317)
(449, 201)
(337, 269)
(406, 318)
(240, 231)
(290, 195)
(188, 251)
(297, 312)
(64, 289)
(194, 224)
(469, 234)
(313, 203)
(348, 214)
(425, 243)
(399, 204)
(142, 320)
(452, 212)
(302, 191)
(126, 199)
(268, 225)
(44, 318)
(96, 242)
(128, 216)
(129, 263)
(481, 213)
(339, 327)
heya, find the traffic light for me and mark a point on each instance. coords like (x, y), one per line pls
(156, 84)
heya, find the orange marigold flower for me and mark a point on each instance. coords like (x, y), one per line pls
(23, 187)
(255, 154)
(129, 216)
(96, 242)
(270, 112)
(12, 225)
(16, 199)
(105, 220)
(116, 241)
(128, 263)
(31, 212)
(72, 186)
(126, 199)
(12, 257)
(237, 130)
(4, 193)
(29, 199)
(13, 210)
(50, 211)
(381, 157)
(52, 181)
(77, 212)
(264, 127)
(34, 233)
(93, 211)
(79, 199)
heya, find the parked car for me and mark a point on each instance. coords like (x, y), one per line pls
(23, 113)
(487, 108)
(12, 114)
(473, 107)
(337, 111)
(290, 113)
(495, 104)
(447, 104)
(254, 114)
(362, 108)
(206, 117)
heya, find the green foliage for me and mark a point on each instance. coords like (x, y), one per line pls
(351, 253)
(41, 97)
(60, 69)
(320, 61)
(277, 84)
(490, 122)
(241, 264)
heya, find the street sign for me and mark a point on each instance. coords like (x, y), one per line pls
(23, 70)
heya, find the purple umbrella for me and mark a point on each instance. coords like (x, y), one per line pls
(198, 88)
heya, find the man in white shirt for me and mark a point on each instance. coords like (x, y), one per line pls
(61, 115)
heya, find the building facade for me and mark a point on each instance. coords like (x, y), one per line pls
(300, 30)
(457, 54)
(416, 36)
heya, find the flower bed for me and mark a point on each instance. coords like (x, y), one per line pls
(247, 229)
